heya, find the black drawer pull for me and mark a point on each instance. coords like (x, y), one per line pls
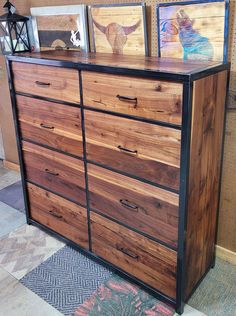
(128, 151)
(55, 214)
(51, 173)
(46, 126)
(129, 99)
(127, 252)
(128, 204)
(42, 84)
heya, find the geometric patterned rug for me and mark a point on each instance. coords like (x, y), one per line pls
(66, 280)
(25, 248)
(118, 297)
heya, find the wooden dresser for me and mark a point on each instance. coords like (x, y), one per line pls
(121, 157)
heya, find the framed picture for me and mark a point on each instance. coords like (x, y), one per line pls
(195, 30)
(119, 28)
(60, 27)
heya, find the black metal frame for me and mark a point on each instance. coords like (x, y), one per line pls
(187, 81)
(183, 196)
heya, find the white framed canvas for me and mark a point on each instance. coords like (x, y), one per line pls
(60, 27)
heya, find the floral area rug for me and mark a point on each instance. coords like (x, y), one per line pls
(117, 297)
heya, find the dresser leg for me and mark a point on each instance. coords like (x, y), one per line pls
(180, 309)
(213, 263)
(28, 221)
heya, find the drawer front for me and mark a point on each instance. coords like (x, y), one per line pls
(144, 207)
(47, 81)
(62, 216)
(54, 171)
(145, 150)
(147, 98)
(51, 124)
(147, 260)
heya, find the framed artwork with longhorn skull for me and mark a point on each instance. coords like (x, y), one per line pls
(60, 27)
(195, 30)
(119, 28)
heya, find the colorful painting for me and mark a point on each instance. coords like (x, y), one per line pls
(119, 29)
(63, 27)
(195, 30)
(118, 297)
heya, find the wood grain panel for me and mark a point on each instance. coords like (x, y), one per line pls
(51, 124)
(46, 81)
(151, 99)
(147, 260)
(54, 171)
(168, 65)
(204, 174)
(134, 203)
(148, 151)
(62, 216)
(112, 40)
(227, 214)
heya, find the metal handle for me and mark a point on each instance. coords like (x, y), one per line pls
(46, 126)
(128, 204)
(55, 214)
(51, 173)
(129, 99)
(43, 84)
(127, 252)
(126, 150)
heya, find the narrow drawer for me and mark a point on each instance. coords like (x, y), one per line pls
(55, 171)
(51, 124)
(139, 205)
(47, 81)
(148, 151)
(62, 216)
(145, 259)
(147, 98)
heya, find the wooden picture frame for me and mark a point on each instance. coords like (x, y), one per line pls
(187, 30)
(62, 27)
(119, 28)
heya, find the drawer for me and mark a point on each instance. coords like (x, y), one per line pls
(51, 124)
(147, 98)
(55, 171)
(144, 207)
(148, 151)
(47, 81)
(145, 259)
(62, 216)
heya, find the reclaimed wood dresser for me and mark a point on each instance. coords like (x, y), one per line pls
(121, 157)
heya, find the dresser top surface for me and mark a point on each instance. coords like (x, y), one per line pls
(156, 65)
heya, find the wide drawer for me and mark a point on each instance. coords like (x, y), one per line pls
(141, 206)
(51, 124)
(61, 215)
(47, 81)
(55, 171)
(148, 151)
(147, 98)
(145, 259)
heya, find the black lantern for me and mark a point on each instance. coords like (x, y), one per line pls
(14, 37)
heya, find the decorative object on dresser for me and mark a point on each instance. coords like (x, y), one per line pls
(60, 27)
(124, 162)
(194, 30)
(119, 28)
(14, 37)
